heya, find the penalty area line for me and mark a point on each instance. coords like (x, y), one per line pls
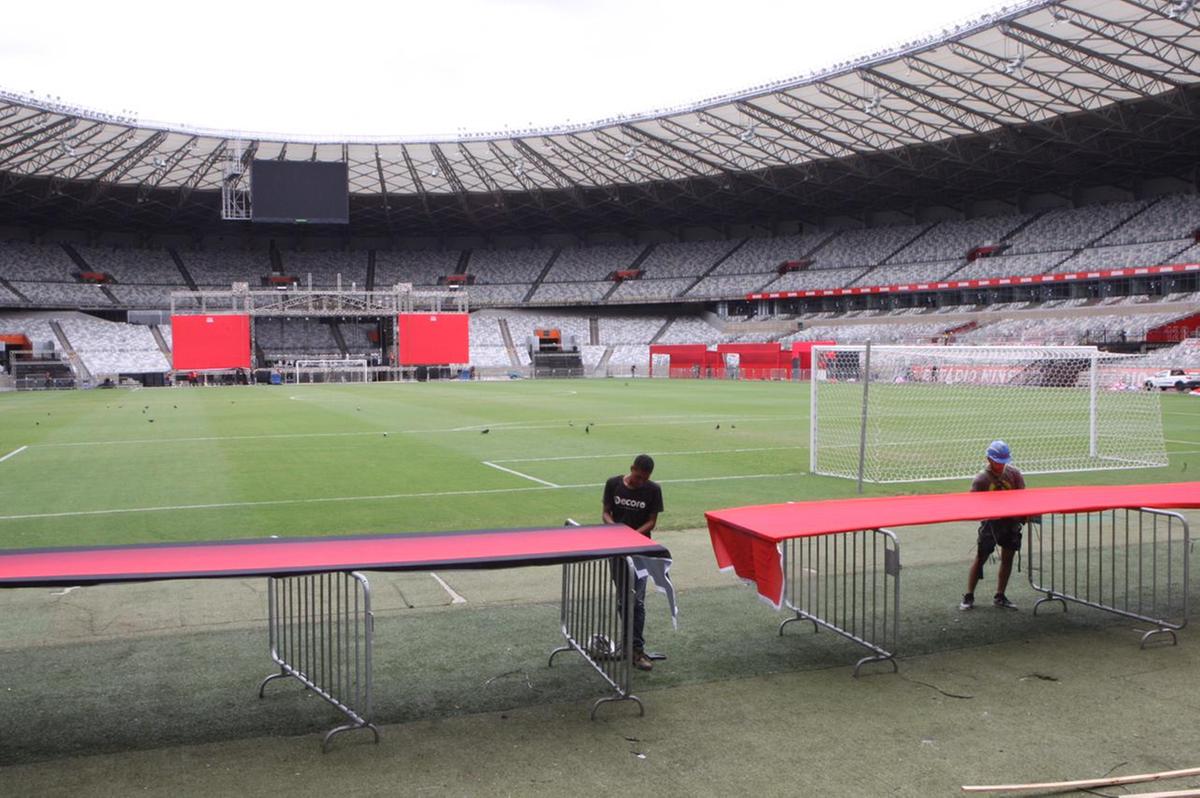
(455, 598)
(13, 453)
(519, 474)
(379, 497)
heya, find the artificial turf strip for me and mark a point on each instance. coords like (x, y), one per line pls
(197, 687)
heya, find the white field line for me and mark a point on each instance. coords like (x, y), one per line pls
(455, 598)
(379, 497)
(617, 424)
(1168, 440)
(519, 474)
(13, 453)
(634, 454)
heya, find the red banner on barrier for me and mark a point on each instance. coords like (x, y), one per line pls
(204, 342)
(434, 339)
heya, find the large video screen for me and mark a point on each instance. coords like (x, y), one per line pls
(300, 192)
(434, 339)
(219, 341)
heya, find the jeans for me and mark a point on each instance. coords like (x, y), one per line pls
(620, 571)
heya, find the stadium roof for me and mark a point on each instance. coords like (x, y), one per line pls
(1040, 94)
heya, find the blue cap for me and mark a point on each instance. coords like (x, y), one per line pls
(998, 452)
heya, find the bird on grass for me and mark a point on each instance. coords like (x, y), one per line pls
(717, 427)
(485, 431)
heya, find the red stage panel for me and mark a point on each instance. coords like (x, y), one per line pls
(434, 339)
(501, 548)
(218, 341)
(746, 539)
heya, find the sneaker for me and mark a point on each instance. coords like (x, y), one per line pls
(641, 661)
(1000, 600)
(968, 602)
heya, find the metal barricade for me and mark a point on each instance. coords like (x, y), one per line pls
(597, 621)
(321, 631)
(848, 583)
(1130, 562)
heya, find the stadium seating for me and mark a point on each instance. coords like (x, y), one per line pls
(514, 266)
(684, 259)
(294, 338)
(220, 269)
(1070, 228)
(952, 240)
(866, 247)
(324, 267)
(36, 262)
(592, 263)
(110, 348)
(421, 268)
(590, 292)
(650, 289)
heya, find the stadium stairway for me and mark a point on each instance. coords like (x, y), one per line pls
(370, 285)
(506, 334)
(339, 339)
(712, 268)
(661, 331)
(183, 272)
(161, 341)
(603, 364)
(82, 375)
(542, 275)
(15, 292)
(920, 232)
(76, 258)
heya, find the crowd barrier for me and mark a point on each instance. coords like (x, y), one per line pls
(1092, 546)
(1130, 562)
(321, 631)
(321, 627)
(848, 583)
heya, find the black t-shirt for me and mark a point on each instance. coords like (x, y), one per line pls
(629, 506)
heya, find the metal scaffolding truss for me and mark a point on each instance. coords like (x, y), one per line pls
(1113, 84)
(322, 303)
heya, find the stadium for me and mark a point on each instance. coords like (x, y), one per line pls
(285, 408)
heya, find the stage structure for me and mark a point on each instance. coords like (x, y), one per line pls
(214, 331)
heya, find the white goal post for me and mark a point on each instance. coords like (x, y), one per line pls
(331, 370)
(911, 413)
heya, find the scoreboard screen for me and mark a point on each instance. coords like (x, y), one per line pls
(300, 192)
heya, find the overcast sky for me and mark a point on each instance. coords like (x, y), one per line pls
(410, 68)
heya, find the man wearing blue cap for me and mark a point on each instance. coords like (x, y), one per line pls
(1000, 474)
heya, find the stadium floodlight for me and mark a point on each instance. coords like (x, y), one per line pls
(910, 413)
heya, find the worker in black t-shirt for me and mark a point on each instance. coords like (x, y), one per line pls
(634, 500)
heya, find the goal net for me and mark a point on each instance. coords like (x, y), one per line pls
(910, 413)
(321, 371)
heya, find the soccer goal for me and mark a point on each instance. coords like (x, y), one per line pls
(910, 413)
(335, 370)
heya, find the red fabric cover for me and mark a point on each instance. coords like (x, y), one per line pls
(503, 548)
(210, 341)
(434, 339)
(747, 539)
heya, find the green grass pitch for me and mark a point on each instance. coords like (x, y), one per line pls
(191, 464)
